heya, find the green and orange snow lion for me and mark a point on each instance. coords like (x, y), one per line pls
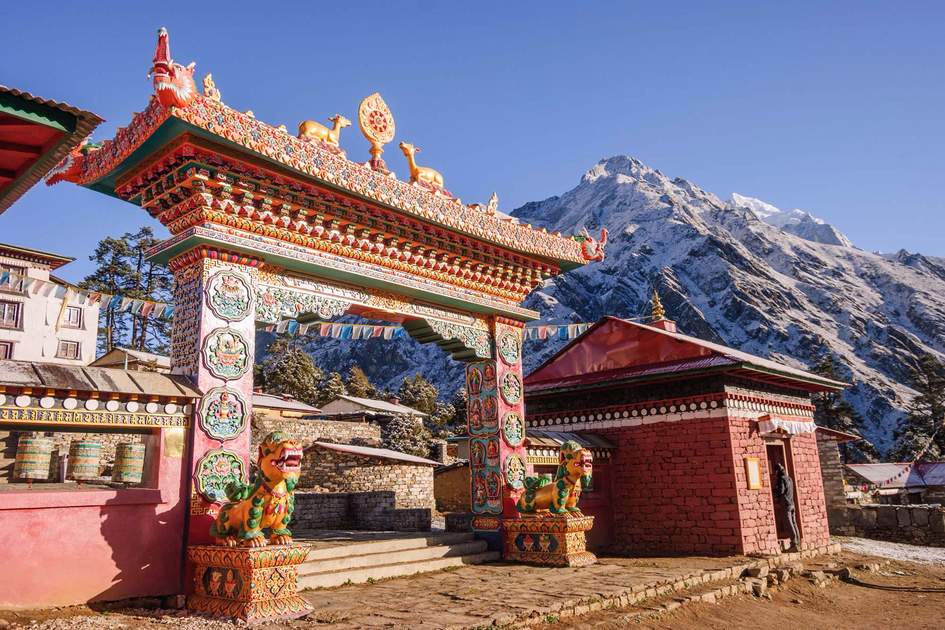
(268, 503)
(560, 495)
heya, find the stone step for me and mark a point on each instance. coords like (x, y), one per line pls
(403, 556)
(383, 571)
(399, 543)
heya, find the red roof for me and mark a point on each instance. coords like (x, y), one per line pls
(618, 350)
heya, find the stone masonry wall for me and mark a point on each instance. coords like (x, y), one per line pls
(674, 488)
(373, 511)
(451, 489)
(310, 430)
(831, 469)
(911, 524)
(326, 470)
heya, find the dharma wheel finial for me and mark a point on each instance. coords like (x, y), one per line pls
(377, 125)
(658, 313)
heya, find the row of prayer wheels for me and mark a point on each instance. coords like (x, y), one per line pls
(34, 460)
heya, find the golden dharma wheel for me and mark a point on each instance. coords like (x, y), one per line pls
(33, 458)
(85, 458)
(129, 463)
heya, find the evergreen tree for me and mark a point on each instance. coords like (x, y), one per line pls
(330, 389)
(926, 414)
(440, 422)
(831, 411)
(290, 370)
(459, 402)
(358, 383)
(418, 393)
(406, 434)
(122, 269)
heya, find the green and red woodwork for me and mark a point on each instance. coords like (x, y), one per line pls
(266, 226)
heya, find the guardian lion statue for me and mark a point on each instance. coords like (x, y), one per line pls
(561, 495)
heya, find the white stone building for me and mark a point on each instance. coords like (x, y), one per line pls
(40, 321)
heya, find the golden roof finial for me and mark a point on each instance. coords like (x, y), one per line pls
(658, 313)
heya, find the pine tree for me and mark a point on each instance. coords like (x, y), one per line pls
(290, 370)
(459, 402)
(418, 393)
(358, 383)
(926, 414)
(122, 269)
(440, 422)
(831, 411)
(330, 389)
(406, 434)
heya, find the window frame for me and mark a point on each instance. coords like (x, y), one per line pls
(61, 355)
(65, 319)
(18, 318)
(7, 344)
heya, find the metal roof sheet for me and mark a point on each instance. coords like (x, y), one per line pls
(272, 401)
(554, 439)
(381, 453)
(84, 378)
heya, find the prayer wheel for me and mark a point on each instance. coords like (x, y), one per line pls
(85, 458)
(33, 458)
(129, 463)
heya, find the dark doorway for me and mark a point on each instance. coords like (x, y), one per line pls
(777, 455)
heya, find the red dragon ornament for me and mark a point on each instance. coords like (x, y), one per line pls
(591, 249)
(173, 83)
(69, 169)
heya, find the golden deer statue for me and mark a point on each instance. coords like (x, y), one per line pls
(421, 174)
(317, 131)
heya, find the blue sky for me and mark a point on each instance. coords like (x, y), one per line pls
(834, 107)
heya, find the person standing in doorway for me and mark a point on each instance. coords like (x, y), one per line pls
(785, 494)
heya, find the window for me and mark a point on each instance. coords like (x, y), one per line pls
(9, 314)
(15, 281)
(6, 350)
(68, 350)
(73, 317)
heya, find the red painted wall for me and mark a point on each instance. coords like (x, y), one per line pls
(811, 505)
(681, 488)
(758, 531)
(674, 488)
(63, 547)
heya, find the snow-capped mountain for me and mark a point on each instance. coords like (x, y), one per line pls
(740, 272)
(744, 273)
(796, 221)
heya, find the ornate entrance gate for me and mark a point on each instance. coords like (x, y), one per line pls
(266, 226)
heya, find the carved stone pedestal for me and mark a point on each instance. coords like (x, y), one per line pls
(256, 585)
(555, 540)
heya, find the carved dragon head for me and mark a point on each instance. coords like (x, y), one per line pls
(70, 167)
(592, 249)
(173, 83)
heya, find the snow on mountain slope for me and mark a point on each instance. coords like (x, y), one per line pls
(797, 222)
(727, 275)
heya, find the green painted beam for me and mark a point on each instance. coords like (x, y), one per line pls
(38, 113)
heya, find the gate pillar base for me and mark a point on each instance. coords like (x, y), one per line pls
(555, 540)
(253, 584)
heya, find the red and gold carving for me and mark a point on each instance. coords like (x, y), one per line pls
(255, 585)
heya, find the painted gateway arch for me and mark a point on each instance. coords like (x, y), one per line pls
(266, 226)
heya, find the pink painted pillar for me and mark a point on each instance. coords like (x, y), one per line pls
(213, 342)
(496, 419)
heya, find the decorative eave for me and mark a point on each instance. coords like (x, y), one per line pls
(72, 123)
(157, 125)
(51, 260)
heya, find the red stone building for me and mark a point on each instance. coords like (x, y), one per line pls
(698, 428)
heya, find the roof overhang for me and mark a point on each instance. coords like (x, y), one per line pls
(35, 135)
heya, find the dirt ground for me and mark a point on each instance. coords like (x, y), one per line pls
(894, 594)
(900, 595)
